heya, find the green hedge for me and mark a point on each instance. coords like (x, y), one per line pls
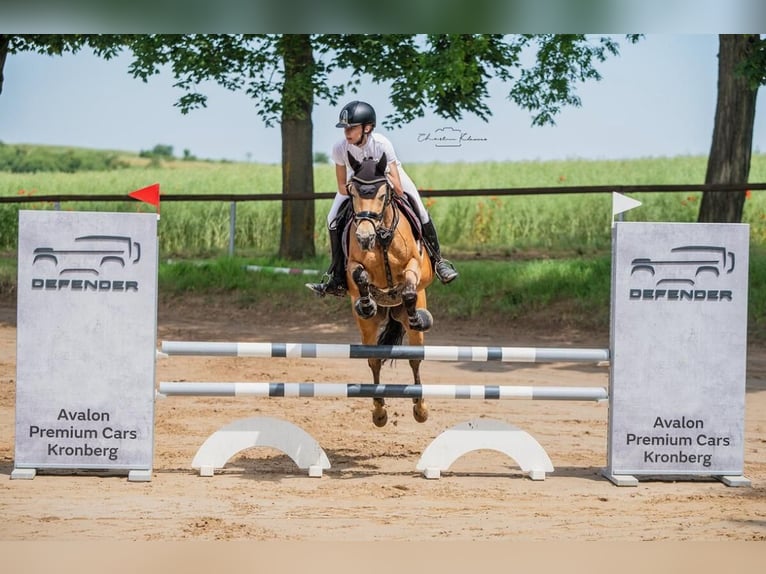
(31, 159)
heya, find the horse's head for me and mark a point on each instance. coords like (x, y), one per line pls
(370, 194)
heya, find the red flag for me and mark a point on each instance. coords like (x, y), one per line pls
(149, 194)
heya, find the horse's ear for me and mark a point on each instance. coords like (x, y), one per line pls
(380, 168)
(355, 165)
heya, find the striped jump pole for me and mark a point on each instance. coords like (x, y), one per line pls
(343, 390)
(426, 352)
(283, 270)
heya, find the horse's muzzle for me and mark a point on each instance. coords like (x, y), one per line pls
(365, 235)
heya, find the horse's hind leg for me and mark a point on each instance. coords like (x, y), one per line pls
(419, 408)
(369, 330)
(417, 320)
(379, 412)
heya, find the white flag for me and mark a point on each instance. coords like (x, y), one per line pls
(622, 203)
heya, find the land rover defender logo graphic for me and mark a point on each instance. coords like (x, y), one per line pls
(681, 276)
(90, 265)
(104, 250)
(693, 261)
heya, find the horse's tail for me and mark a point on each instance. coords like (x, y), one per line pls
(392, 333)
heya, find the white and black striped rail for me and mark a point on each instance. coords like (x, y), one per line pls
(426, 352)
(345, 390)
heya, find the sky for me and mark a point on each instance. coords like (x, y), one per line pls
(656, 99)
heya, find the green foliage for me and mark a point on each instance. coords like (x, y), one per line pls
(228, 276)
(160, 151)
(757, 292)
(510, 288)
(9, 224)
(32, 159)
(446, 73)
(321, 157)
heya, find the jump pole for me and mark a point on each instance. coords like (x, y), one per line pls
(343, 390)
(345, 351)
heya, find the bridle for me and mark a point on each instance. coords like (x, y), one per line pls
(368, 188)
(385, 235)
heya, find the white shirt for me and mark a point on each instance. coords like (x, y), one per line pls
(375, 146)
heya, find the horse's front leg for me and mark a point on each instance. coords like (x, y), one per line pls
(418, 317)
(364, 306)
(368, 320)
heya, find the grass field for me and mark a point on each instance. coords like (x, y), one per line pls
(517, 255)
(571, 223)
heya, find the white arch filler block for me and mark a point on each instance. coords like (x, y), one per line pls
(243, 434)
(483, 434)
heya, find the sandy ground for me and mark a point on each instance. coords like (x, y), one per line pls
(373, 491)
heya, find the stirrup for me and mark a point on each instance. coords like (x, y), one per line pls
(445, 271)
(329, 286)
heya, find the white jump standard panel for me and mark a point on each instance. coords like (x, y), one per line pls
(86, 340)
(426, 352)
(679, 342)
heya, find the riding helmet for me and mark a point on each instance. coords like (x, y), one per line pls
(356, 113)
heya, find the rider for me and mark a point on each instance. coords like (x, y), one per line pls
(358, 120)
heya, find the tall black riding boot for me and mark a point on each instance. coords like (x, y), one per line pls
(444, 270)
(335, 278)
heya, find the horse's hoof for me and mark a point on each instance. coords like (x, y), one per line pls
(366, 310)
(380, 416)
(422, 320)
(420, 412)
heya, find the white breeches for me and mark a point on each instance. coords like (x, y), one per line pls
(409, 189)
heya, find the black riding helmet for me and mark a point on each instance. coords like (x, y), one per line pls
(356, 113)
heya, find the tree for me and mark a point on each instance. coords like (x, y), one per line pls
(5, 43)
(741, 70)
(286, 74)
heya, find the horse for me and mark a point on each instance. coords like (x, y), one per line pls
(387, 271)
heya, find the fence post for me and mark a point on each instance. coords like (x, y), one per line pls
(232, 226)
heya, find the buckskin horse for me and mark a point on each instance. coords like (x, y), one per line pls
(387, 272)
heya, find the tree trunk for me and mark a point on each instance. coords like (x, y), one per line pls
(297, 239)
(5, 41)
(729, 160)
